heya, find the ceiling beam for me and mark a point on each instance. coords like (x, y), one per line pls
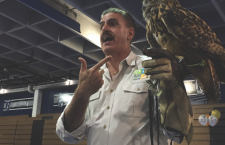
(201, 8)
(219, 9)
(138, 18)
(51, 13)
(135, 50)
(89, 29)
(89, 5)
(45, 86)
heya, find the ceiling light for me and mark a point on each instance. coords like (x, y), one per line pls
(69, 82)
(3, 91)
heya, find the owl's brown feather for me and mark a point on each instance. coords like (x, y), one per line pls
(190, 29)
(176, 29)
(214, 80)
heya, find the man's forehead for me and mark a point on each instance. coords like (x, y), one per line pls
(109, 16)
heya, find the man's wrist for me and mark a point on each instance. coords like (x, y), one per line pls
(81, 93)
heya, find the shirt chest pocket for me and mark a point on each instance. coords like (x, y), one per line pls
(133, 102)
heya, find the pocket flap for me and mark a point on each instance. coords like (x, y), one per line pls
(137, 88)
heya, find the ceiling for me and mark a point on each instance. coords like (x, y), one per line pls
(37, 49)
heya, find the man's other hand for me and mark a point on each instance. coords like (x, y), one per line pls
(159, 69)
(163, 66)
(90, 80)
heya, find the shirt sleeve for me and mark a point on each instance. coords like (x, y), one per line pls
(74, 137)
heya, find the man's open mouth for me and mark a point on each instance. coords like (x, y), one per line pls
(107, 38)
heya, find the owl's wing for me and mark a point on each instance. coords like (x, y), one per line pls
(151, 40)
(189, 28)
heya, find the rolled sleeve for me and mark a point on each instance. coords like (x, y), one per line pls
(74, 137)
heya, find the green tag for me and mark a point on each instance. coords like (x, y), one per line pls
(139, 74)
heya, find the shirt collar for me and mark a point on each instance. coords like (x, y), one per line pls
(130, 59)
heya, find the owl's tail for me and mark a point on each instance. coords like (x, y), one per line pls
(219, 61)
(215, 82)
(209, 82)
(218, 52)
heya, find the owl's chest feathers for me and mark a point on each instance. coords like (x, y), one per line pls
(158, 28)
(163, 37)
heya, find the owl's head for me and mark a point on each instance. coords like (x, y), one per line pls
(172, 3)
(148, 4)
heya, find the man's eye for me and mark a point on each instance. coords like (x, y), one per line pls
(112, 24)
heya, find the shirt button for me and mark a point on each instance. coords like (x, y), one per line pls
(108, 107)
(111, 90)
(104, 126)
(138, 89)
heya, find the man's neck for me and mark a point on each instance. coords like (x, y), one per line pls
(113, 64)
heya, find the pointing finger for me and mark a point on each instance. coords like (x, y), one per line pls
(100, 63)
(83, 66)
(101, 72)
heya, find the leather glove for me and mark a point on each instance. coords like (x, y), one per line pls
(175, 108)
(164, 66)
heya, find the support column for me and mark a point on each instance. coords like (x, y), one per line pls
(37, 103)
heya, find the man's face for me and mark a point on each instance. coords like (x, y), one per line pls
(114, 33)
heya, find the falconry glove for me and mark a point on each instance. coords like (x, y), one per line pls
(175, 108)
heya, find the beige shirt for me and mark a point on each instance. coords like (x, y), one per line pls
(118, 114)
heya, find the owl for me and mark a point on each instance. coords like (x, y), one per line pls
(178, 30)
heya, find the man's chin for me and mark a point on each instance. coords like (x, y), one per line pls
(108, 50)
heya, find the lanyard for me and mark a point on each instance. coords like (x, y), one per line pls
(153, 96)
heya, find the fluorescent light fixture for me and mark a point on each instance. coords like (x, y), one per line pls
(69, 82)
(3, 91)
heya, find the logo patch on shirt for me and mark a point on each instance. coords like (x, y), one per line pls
(139, 74)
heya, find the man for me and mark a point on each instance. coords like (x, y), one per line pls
(109, 106)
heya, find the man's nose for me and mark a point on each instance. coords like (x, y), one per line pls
(105, 28)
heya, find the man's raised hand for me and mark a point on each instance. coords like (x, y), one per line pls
(90, 80)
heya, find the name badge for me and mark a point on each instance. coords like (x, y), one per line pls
(140, 75)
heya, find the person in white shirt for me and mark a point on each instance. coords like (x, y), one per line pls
(110, 105)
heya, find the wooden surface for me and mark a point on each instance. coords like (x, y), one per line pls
(207, 135)
(196, 142)
(17, 130)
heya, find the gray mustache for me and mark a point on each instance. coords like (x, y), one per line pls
(106, 34)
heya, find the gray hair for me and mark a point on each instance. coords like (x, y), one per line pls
(129, 19)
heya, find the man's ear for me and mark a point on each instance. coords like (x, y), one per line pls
(131, 33)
